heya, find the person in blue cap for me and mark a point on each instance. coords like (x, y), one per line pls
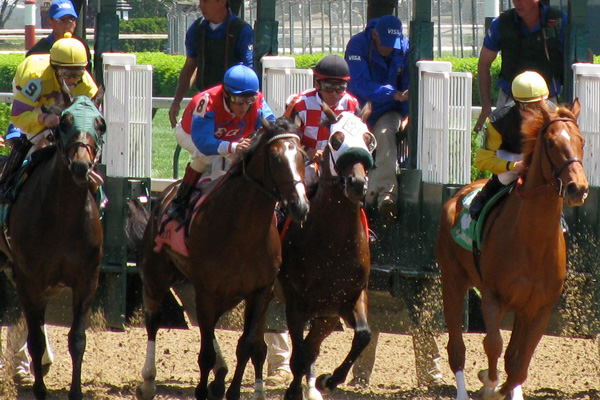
(12, 133)
(62, 18)
(379, 73)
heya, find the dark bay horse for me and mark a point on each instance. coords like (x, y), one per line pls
(54, 236)
(234, 255)
(326, 260)
(523, 255)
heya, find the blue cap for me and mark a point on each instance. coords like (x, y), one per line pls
(389, 28)
(12, 132)
(60, 8)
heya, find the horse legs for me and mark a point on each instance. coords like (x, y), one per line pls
(362, 336)
(154, 293)
(252, 343)
(492, 343)
(527, 332)
(82, 300)
(36, 344)
(454, 289)
(298, 363)
(207, 358)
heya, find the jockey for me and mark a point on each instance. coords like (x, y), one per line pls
(223, 118)
(501, 149)
(38, 88)
(331, 81)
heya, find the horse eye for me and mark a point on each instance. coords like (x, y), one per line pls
(336, 140)
(369, 141)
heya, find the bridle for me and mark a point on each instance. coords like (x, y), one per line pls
(273, 192)
(557, 183)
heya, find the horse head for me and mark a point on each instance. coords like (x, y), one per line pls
(562, 145)
(349, 151)
(285, 166)
(79, 138)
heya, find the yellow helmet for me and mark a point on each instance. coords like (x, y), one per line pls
(68, 52)
(529, 87)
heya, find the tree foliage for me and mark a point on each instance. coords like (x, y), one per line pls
(6, 9)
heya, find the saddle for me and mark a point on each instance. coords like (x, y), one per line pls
(467, 232)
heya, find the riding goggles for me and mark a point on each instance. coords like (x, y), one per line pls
(70, 73)
(330, 87)
(67, 20)
(234, 99)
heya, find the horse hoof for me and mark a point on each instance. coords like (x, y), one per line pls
(485, 379)
(145, 391)
(322, 382)
(259, 395)
(216, 390)
(488, 393)
(313, 394)
(294, 393)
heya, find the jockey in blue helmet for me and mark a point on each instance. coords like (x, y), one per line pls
(220, 120)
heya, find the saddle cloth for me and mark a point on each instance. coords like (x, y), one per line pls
(466, 230)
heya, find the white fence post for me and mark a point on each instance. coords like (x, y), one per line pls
(444, 134)
(127, 151)
(586, 86)
(280, 80)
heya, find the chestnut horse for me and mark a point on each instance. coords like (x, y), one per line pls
(234, 255)
(54, 237)
(523, 255)
(326, 260)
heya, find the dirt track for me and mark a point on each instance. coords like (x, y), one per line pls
(561, 369)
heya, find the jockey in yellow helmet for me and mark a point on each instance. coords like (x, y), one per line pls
(37, 86)
(501, 150)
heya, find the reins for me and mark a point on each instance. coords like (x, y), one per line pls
(557, 182)
(274, 193)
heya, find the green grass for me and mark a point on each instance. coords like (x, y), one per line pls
(163, 147)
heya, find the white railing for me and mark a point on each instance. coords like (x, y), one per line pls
(128, 113)
(586, 78)
(444, 134)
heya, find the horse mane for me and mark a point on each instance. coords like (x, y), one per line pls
(268, 131)
(532, 124)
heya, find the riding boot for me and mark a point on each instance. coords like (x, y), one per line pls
(182, 198)
(16, 157)
(492, 187)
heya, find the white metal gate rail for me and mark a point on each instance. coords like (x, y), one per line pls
(586, 79)
(444, 133)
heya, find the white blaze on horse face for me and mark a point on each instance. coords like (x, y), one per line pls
(353, 129)
(291, 152)
(565, 134)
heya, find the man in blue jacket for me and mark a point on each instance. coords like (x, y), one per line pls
(378, 61)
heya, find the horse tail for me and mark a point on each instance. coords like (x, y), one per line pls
(137, 219)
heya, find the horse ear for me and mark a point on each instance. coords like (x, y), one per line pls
(366, 111)
(97, 99)
(66, 92)
(264, 122)
(545, 111)
(329, 113)
(576, 109)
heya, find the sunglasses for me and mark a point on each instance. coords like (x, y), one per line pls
(66, 20)
(242, 99)
(330, 87)
(71, 73)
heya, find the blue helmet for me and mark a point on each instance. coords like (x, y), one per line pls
(12, 132)
(240, 79)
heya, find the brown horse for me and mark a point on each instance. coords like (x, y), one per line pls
(234, 255)
(523, 256)
(54, 237)
(326, 260)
